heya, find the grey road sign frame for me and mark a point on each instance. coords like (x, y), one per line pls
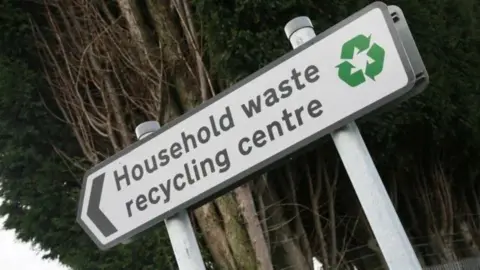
(413, 53)
(222, 187)
(422, 78)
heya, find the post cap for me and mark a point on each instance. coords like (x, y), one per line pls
(146, 127)
(297, 23)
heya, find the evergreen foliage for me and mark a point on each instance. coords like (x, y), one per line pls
(438, 129)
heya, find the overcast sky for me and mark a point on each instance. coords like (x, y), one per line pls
(15, 255)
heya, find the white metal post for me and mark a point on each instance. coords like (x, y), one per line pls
(179, 227)
(384, 221)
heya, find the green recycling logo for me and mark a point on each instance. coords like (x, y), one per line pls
(372, 69)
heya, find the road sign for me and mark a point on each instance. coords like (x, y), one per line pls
(347, 71)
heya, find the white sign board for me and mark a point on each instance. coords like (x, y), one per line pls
(349, 70)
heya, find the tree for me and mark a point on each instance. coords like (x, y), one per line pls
(110, 65)
(39, 186)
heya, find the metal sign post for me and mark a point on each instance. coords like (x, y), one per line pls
(179, 227)
(374, 199)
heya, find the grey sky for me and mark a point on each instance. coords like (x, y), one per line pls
(15, 255)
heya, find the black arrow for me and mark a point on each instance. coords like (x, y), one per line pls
(94, 212)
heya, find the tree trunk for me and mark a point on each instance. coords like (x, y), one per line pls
(226, 223)
(215, 237)
(281, 233)
(254, 228)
